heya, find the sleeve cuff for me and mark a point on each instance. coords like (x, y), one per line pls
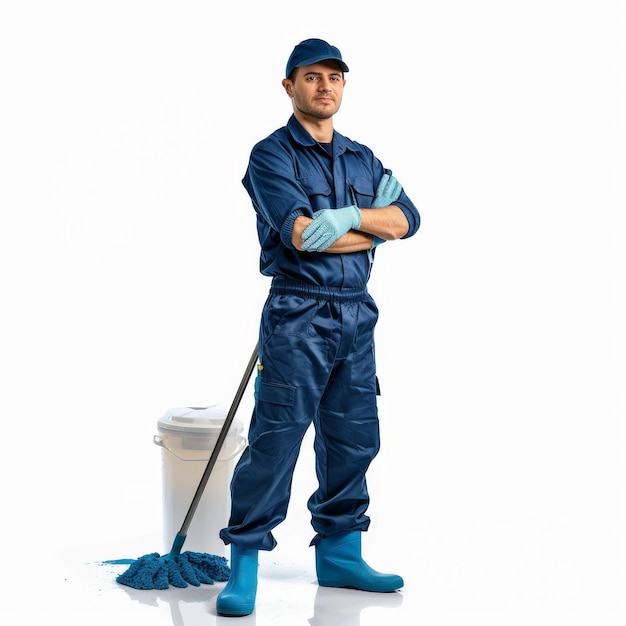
(287, 228)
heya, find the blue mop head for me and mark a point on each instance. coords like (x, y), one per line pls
(152, 571)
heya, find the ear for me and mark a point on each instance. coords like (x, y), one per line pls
(288, 86)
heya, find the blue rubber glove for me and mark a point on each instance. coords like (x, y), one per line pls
(328, 225)
(389, 189)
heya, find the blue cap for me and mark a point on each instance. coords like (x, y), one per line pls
(312, 51)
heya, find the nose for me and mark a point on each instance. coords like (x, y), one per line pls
(325, 85)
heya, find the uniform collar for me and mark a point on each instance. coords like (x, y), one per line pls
(302, 136)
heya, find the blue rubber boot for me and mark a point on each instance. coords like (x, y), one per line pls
(339, 563)
(238, 596)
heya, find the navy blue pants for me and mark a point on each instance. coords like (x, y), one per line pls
(316, 365)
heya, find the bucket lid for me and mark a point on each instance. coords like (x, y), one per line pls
(206, 420)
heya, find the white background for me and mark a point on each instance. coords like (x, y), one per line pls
(130, 273)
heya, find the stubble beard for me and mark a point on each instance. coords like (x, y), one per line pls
(319, 113)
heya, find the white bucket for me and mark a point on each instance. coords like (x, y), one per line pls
(187, 437)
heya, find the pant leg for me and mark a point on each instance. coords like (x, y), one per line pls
(347, 429)
(297, 336)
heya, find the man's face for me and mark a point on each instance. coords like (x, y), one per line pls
(316, 90)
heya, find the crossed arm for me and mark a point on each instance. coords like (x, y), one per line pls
(386, 222)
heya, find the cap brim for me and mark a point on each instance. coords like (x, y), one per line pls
(318, 59)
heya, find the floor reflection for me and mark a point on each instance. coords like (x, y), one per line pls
(342, 607)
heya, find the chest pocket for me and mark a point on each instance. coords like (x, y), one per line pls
(361, 191)
(318, 191)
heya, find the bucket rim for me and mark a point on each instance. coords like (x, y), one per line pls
(196, 421)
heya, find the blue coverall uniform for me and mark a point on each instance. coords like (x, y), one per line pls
(316, 341)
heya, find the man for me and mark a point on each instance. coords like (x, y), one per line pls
(323, 204)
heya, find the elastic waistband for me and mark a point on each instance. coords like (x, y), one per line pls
(281, 286)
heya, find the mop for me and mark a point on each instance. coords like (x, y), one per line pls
(152, 571)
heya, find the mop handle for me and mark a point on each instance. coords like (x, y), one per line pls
(220, 441)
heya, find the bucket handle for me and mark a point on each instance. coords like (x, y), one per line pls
(241, 444)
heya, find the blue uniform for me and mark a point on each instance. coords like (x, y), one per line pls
(316, 341)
